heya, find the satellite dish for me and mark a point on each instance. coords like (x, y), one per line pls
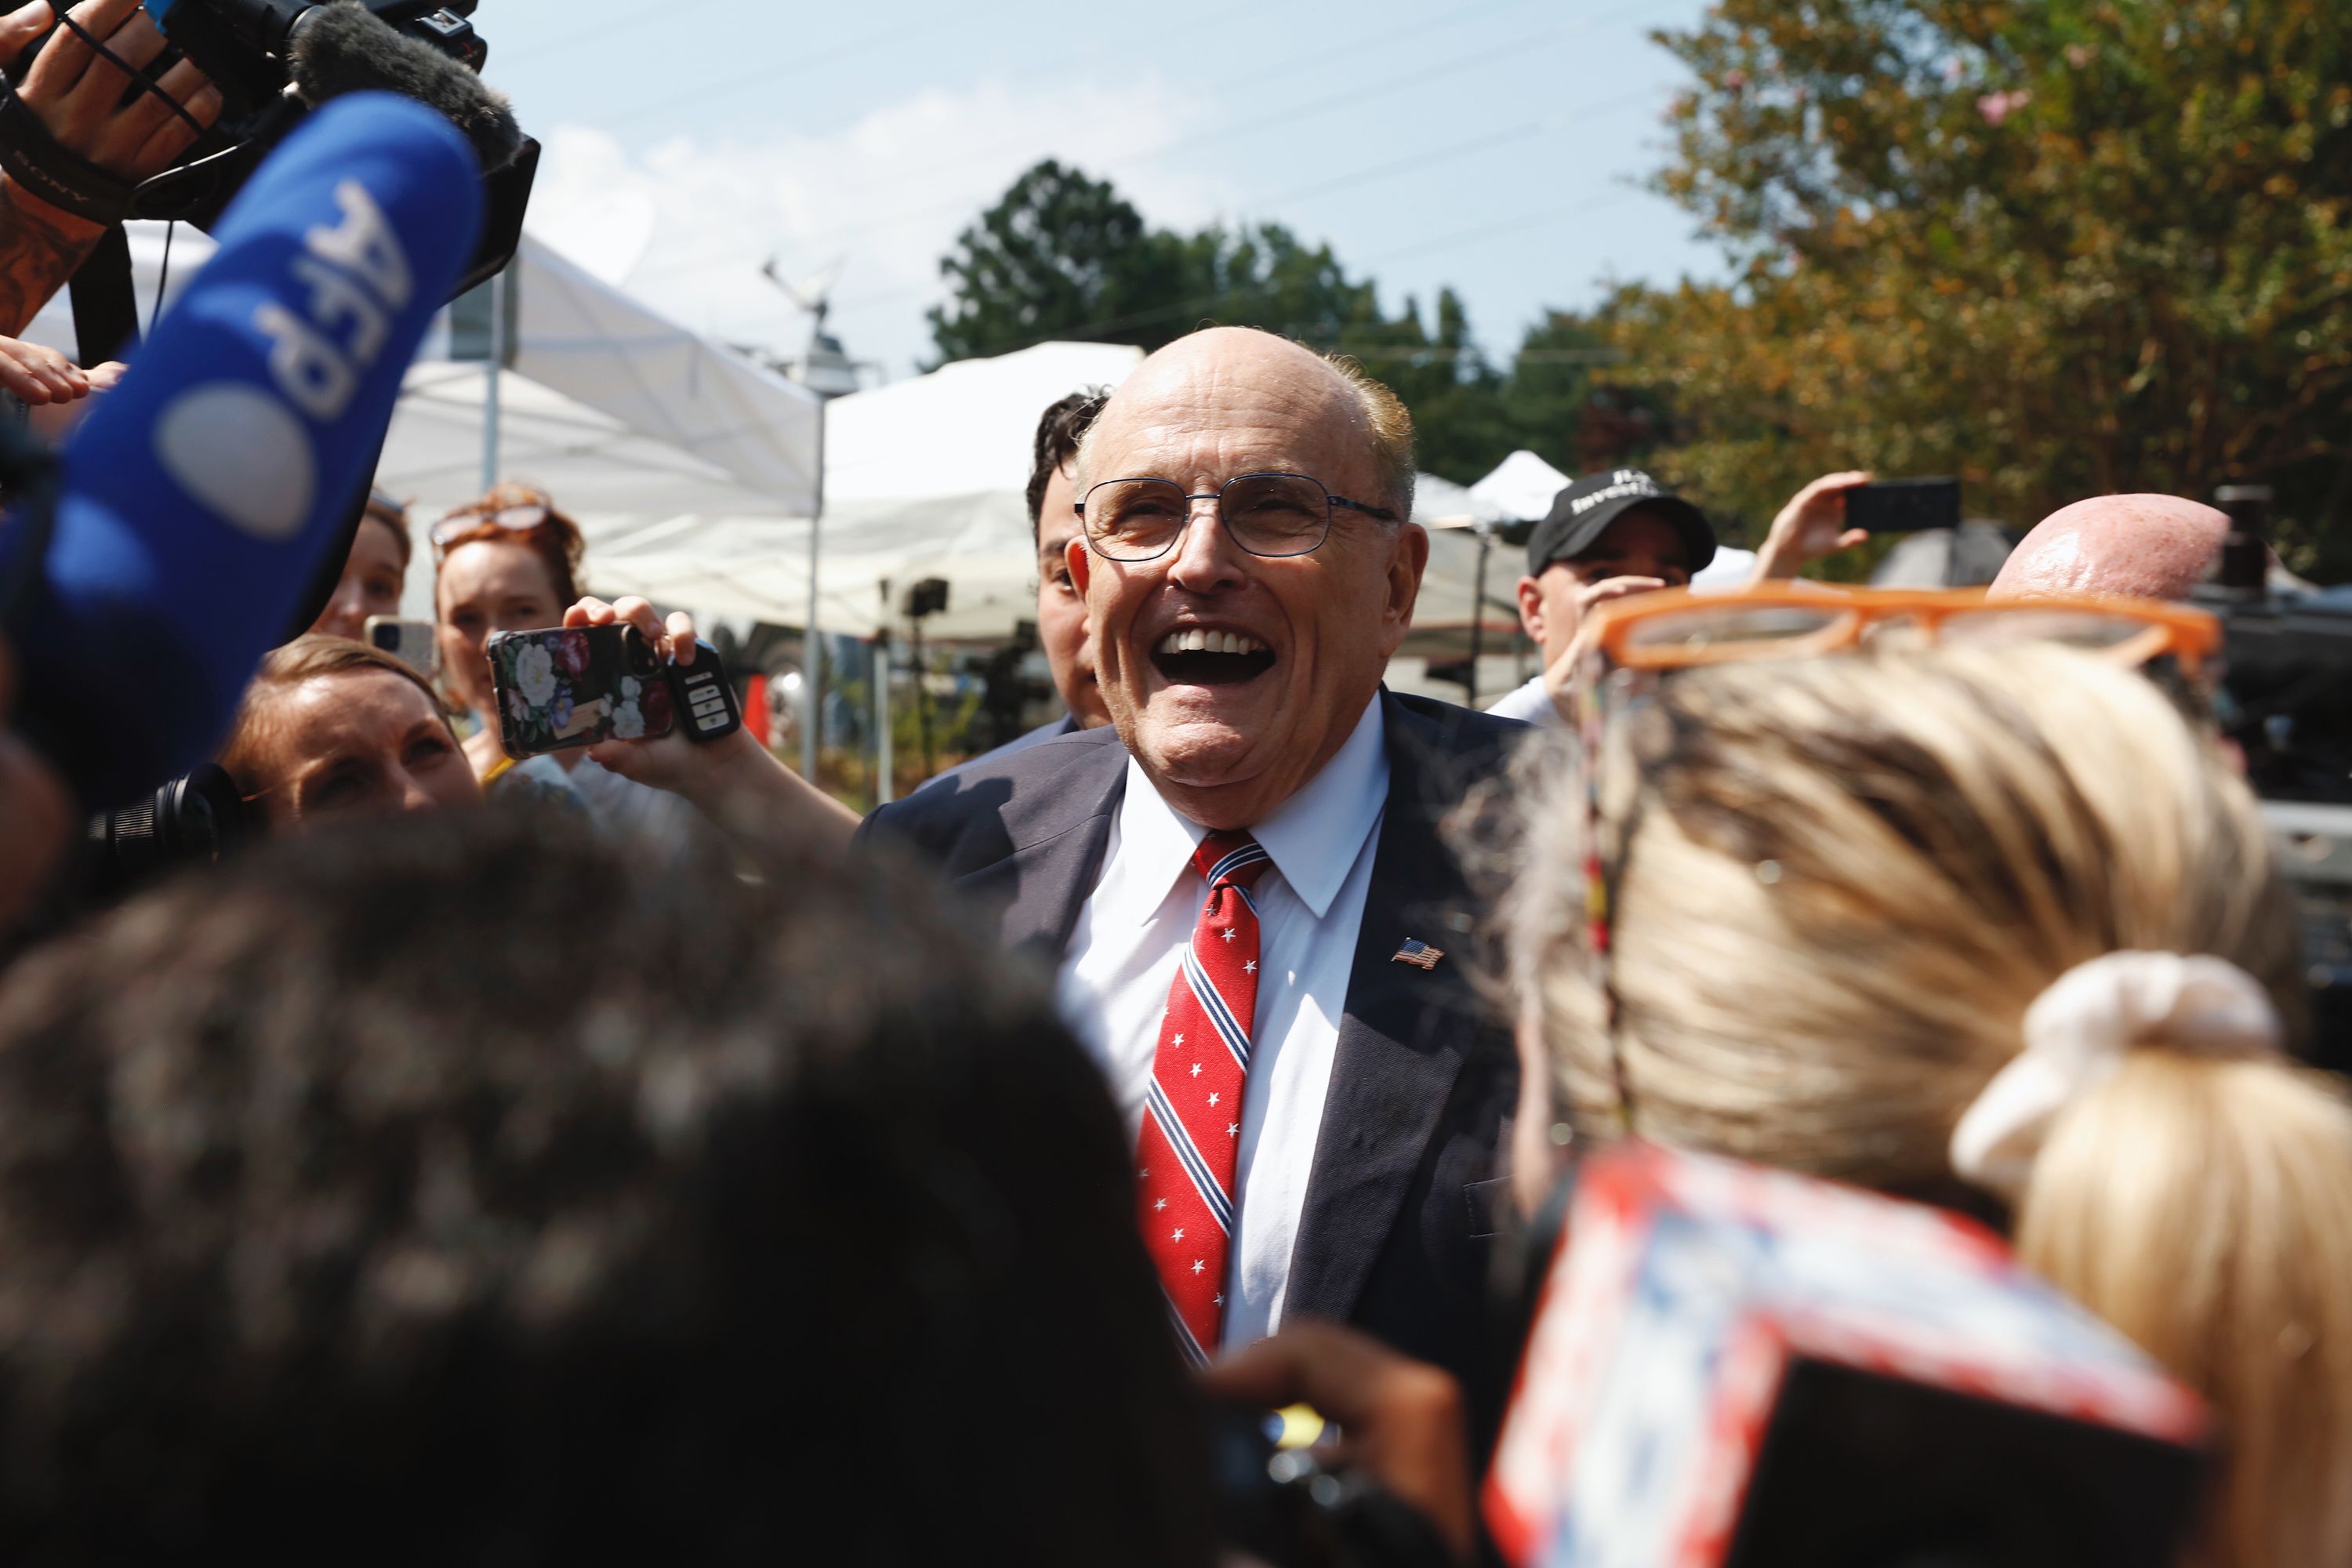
(814, 294)
(824, 365)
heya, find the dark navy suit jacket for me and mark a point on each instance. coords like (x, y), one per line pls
(1068, 725)
(1407, 1185)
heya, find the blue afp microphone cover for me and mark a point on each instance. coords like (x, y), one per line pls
(201, 495)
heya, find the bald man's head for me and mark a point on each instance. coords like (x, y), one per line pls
(1227, 356)
(1238, 646)
(2143, 546)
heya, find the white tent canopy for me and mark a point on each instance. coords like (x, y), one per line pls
(605, 400)
(586, 340)
(1522, 486)
(653, 437)
(1462, 524)
(924, 478)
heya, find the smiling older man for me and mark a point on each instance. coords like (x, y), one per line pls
(1242, 879)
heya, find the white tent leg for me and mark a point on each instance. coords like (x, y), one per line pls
(812, 672)
(885, 756)
(812, 656)
(490, 388)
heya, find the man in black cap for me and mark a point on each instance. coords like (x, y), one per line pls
(1622, 533)
(1607, 535)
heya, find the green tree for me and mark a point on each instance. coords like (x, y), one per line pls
(1058, 252)
(1061, 256)
(2059, 246)
(1559, 402)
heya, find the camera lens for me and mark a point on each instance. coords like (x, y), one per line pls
(200, 833)
(192, 821)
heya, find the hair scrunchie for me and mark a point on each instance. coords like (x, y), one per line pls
(2077, 1033)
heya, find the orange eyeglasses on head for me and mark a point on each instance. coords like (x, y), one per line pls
(1677, 629)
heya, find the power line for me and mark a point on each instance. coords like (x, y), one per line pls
(591, 35)
(767, 74)
(963, 203)
(1452, 150)
(1418, 75)
(1360, 176)
(1524, 356)
(1509, 225)
(896, 38)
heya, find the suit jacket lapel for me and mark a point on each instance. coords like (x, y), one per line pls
(1039, 889)
(1402, 1040)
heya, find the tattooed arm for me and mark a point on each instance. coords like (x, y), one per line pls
(40, 248)
(78, 96)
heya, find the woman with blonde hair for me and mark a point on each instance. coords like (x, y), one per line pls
(1990, 927)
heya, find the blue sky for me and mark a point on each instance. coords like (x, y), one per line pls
(1498, 145)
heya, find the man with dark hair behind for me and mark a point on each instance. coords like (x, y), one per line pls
(468, 1189)
(1052, 524)
(1062, 630)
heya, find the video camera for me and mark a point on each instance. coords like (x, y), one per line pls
(274, 61)
(245, 44)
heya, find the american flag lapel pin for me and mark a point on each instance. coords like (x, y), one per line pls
(1418, 954)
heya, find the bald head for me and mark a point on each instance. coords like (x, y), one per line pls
(1242, 371)
(2145, 546)
(1233, 674)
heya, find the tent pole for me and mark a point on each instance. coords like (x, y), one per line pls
(1478, 613)
(813, 654)
(885, 762)
(922, 691)
(490, 389)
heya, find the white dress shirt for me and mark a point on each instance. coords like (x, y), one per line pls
(1130, 938)
(1530, 702)
(1730, 569)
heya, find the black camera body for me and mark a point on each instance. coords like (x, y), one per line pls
(258, 52)
(273, 61)
(246, 45)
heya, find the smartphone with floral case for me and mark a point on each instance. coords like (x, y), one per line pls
(576, 686)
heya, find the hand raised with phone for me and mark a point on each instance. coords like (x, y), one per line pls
(731, 777)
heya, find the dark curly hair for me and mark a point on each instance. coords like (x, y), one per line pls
(1059, 430)
(466, 1188)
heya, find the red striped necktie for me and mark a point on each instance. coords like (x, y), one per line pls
(1193, 1115)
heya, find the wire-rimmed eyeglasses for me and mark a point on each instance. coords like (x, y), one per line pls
(1271, 515)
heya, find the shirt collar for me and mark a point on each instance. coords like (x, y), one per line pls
(1313, 838)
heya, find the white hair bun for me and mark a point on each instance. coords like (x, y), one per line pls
(2077, 1033)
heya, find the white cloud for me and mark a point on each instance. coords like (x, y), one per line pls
(685, 226)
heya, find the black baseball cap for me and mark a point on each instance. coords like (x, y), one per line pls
(1581, 514)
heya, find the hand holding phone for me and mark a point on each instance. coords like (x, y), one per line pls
(1903, 506)
(575, 685)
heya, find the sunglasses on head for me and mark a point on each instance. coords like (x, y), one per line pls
(521, 517)
(1635, 643)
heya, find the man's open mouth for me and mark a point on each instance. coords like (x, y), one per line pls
(1197, 655)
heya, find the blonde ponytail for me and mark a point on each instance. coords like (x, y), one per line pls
(1842, 886)
(2204, 1207)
